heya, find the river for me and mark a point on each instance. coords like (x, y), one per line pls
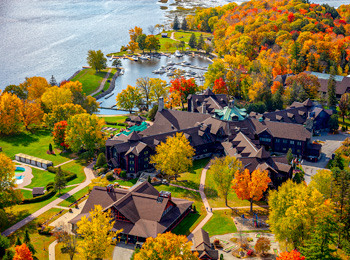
(52, 37)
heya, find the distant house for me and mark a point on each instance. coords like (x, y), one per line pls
(140, 212)
(38, 191)
(202, 245)
(206, 102)
(164, 35)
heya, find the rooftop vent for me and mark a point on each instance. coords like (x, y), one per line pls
(110, 188)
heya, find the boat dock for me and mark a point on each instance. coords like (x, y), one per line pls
(109, 95)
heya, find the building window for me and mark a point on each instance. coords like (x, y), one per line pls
(285, 141)
(131, 156)
(146, 165)
(277, 140)
(291, 142)
(284, 149)
(132, 169)
(146, 159)
(205, 150)
(264, 139)
(146, 152)
(299, 143)
(131, 162)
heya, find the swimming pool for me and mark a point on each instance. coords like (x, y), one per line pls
(19, 177)
(19, 170)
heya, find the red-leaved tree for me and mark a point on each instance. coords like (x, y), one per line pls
(220, 87)
(292, 255)
(184, 87)
(59, 134)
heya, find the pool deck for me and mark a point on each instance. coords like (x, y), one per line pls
(27, 176)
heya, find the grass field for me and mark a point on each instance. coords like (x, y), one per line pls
(107, 84)
(220, 223)
(114, 119)
(41, 178)
(185, 36)
(34, 144)
(74, 197)
(77, 167)
(27, 194)
(90, 79)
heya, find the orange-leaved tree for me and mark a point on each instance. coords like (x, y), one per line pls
(292, 255)
(22, 253)
(184, 87)
(32, 114)
(10, 113)
(166, 246)
(251, 186)
(220, 87)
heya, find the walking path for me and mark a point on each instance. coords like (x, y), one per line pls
(28, 176)
(89, 176)
(102, 83)
(182, 187)
(52, 250)
(61, 207)
(243, 207)
(65, 162)
(26, 189)
(205, 202)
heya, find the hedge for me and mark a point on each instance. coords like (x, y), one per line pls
(50, 186)
(46, 196)
(68, 175)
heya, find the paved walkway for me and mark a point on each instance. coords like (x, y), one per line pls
(61, 207)
(122, 251)
(243, 207)
(65, 162)
(205, 202)
(182, 187)
(89, 176)
(26, 189)
(52, 250)
(102, 83)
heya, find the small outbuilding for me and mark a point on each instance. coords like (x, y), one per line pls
(164, 35)
(38, 191)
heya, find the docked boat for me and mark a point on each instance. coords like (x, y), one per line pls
(171, 63)
(111, 58)
(109, 95)
(135, 58)
(144, 57)
(170, 74)
(186, 62)
(178, 54)
(122, 72)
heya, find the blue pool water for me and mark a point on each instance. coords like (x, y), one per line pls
(20, 177)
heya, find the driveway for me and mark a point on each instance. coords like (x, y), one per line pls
(330, 144)
(122, 251)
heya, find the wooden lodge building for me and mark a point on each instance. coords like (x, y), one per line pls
(141, 211)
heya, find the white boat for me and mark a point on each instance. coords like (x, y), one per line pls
(122, 72)
(161, 71)
(109, 96)
(171, 63)
(111, 58)
(144, 57)
(135, 58)
(177, 54)
(186, 62)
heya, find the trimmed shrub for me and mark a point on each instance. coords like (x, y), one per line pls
(123, 174)
(50, 148)
(68, 175)
(110, 177)
(101, 160)
(50, 186)
(3, 218)
(152, 113)
(46, 196)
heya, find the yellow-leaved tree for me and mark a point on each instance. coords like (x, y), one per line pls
(62, 113)
(174, 156)
(129, 98)
(99, 181)
(32, 114)
(56, 96)
(96, 232)
(166, 246)
(36, 87)
(158, 89)
(10, 113)
(324, 182)
(251, 186)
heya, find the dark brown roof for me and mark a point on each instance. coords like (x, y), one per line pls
(202, 245)
(240, 146)
(342, 83)
(38, 191)
(212, 101)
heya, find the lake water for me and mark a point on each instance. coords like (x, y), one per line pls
(52, 37)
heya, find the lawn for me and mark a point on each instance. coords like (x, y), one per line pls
(90, 79)
(34, 144)
(215, 201)
(220, 223)
(77, 167)
(185, 36)
(114, 119)
(27, 194)
(74, 197)
(191, 179)
(41, 178)
(107, 84)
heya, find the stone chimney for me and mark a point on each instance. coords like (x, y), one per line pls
(161, 104)
(204, 108)
(192, 105)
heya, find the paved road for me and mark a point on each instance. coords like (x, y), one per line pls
(89, 176)
(122, 251)
(102, 83)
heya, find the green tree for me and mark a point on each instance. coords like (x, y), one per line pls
(4, 244)
(324, 182)
(50, 148)
(174, 156)
(184, 24)
(31, 248)
(60, 180)
(331, 93)
(18, 242)
(152, 43)
(200, 43)
(290, 156)
(20, 91)
(193, 41)
(152, 113)
(96, 60)
(84, 133)
(182, 45)
(101, 160)
(117, 63)
(141, 40)
(223, 170)
(176, 24)
(129, 98)
(333, 123)
(53, 81)
(26, 238)
(9, 254)
(344, 105)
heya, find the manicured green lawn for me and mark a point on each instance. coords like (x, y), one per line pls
(74, 197)
(191, 179)
(187, 35)
(77, 167)
(27, 194)
(215, 201)
(107, 84)
(114, 119)
(41, 178)
(126, 183)
(34, 144)
(90, 79)
(220, 223)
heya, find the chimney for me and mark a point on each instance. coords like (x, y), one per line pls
(161, 104)
(231, 103)
(204, 108)
(192, 105)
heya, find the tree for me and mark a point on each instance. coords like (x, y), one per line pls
(167, 45)
(56, 96)
(4, 244)
(134, 33)
(251, 186)
(193, 41)
(132, 46)
(220, 87)
(36, 87)
(158, 89)
(62, 113)
(117, 63)
(344, 105)
(323, 181)
(31, 248)
(166, 246)
(9, 255)
(290, 156)
(184, 24)
(294, 210)
(78, 97)
(152, 43)
(141, 41)
(99, 181)
(18, 242)
(176, 24)
(184, 87)
(144, 85)
(200, 42)
(84, 133)
(101, 160)
(96, 233)
(174, 156)
(8, 195)
(68, 240)
(331, 93)
(223, 171)
(151, 29)
(10, 113)
(333, 123)
(292, 255)
(152, 113)
(26, 238)
(32, 114)
(129, 98)
(20, 91)
(22, 253)
(182, 45)
(96, 60)
(91, 105)
(60, 180)
(262, 245)
(53, 81)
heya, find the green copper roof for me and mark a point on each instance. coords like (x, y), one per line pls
(231, 114)
(137, 128)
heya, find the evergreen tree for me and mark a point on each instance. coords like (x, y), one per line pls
(18, 242)
(193, 41)
(184, 24)
(50, 148)
(200, 43)
(149, 179)
(4, 244)
(277, 101)
(176, 24)
(26, 238)
(290, 156)
(31, 248)
(332, 84)
(333, 123)
(101, 160)
(53, 81)
(60, 180)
